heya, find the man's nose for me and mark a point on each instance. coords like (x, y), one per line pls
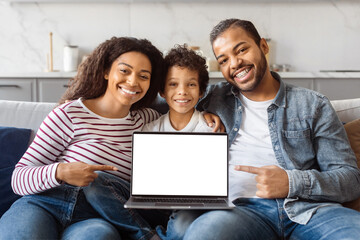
(235, 62)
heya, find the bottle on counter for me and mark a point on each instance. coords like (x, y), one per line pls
(71, 56)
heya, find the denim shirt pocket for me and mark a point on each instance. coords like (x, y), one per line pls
(299, 147)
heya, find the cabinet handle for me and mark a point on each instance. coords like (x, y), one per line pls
(65, 86)
(9, 85)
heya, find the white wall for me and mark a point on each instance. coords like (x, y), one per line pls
(308, 36)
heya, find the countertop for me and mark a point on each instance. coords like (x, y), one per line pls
(288, 75)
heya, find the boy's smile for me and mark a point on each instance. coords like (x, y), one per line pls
(182, 90)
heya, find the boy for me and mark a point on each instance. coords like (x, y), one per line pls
(185, 83)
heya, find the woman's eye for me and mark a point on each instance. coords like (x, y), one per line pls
(123, 70)
(172, 84)
(192, 84)
(145, 77)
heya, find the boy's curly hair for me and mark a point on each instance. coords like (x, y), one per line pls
(90, 82)
(182, 56)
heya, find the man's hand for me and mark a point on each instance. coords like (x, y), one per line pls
(272, 181)
(211, 119)
(78, 173)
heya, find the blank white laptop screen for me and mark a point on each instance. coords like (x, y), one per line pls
(180, 164)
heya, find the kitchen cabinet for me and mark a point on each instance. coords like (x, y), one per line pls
(51, 90)
(33, 89)
(335, 88)
(338, 88)
(301, 82)
(18, 89)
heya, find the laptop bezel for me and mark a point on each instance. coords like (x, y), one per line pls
(181, 196)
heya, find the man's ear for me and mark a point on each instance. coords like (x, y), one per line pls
(264, 46)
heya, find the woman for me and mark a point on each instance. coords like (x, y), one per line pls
(64, 194)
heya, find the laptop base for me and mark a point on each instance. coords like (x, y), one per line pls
(134, 203)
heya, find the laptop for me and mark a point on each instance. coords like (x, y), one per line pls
(186, 170)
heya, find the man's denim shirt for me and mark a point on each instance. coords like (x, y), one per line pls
(309, 142)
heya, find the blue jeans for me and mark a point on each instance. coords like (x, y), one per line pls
(264, 219)
(68, 212)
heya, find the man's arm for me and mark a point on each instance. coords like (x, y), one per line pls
(338, 177)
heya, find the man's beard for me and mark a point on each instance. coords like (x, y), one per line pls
(259, 75)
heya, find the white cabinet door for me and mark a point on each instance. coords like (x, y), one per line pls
(51, 90)
(338, 88)
(301, 82)
(18, 89)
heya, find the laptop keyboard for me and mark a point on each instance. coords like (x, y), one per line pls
(180, 200)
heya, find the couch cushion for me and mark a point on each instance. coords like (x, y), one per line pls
(353, 132)
(13, 144)
(347, 109)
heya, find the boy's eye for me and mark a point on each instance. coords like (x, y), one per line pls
(172, 84)
(192, 84)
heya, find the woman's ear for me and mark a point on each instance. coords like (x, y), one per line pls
(162, 94)
(106, 76)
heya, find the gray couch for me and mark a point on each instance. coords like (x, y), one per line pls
(29, 115)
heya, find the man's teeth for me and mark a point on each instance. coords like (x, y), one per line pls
(243, 73)
(128, 91)
(182, 101)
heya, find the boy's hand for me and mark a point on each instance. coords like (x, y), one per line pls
(212, 119)
(78, 173)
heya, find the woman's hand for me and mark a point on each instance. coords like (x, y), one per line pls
(78, 173)
(212, 119)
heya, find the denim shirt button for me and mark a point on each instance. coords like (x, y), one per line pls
(276, 147)
(235, 129)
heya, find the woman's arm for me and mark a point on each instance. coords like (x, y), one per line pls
(36, 170)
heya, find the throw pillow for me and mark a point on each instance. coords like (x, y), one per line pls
(353, 132)
(13, 144)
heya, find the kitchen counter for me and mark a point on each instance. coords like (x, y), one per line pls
(306, 74)
(212, 75)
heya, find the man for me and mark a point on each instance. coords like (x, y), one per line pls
(290, 161)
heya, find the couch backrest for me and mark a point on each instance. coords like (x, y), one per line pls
(31, 114)
(24, 114)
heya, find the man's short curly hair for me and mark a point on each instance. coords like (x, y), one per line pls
(182, 56)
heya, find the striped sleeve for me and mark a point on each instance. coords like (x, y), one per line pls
(35, 172)
(148, 114)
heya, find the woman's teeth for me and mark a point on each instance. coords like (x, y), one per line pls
(128, 91)
(182, 101)
(243, 73)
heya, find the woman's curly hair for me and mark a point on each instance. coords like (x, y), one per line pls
(182, 56)
(90, 83)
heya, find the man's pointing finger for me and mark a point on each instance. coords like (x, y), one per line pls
(248, 169)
